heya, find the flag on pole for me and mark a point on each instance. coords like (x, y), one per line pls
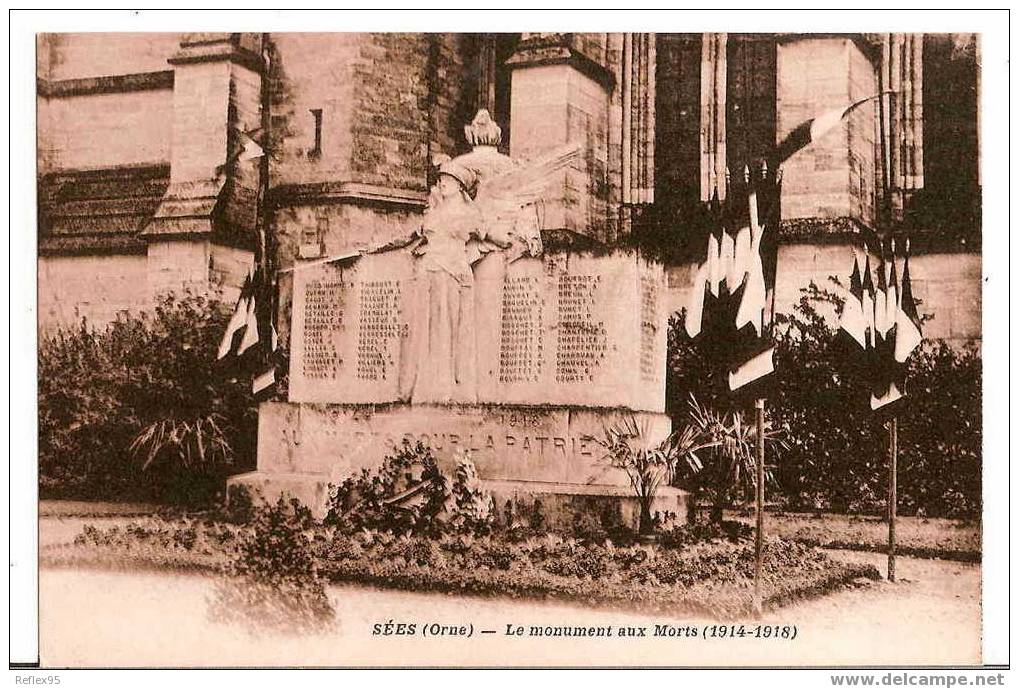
(753, 364)
(881, 297)
(890, 326)
(250, 342)
(813, 129)
(892, 293)
(731, 305)
(852, 321)
(907, 321)
(249, 147)
(867, 303)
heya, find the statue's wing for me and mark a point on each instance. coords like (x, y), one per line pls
(525, 182)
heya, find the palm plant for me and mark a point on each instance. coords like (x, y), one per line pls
(649, 464)
(198, 443)
(732, 464)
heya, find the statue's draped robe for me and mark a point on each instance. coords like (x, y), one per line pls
(457, 288)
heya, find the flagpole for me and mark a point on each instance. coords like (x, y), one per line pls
(759, 504)
(893, 450)
(884, 221)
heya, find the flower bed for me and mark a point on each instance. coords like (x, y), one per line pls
(712, 576)
(946, 539)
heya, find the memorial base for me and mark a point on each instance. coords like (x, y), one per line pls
(533, 460)
(553, 505)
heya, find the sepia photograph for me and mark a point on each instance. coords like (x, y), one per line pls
(452, 349)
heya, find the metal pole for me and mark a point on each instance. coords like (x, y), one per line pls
(759, 500)
(893, 442)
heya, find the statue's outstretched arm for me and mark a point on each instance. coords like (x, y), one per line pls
(494, 234)
(395, 243)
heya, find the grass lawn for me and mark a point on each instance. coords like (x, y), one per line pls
(948, 539)
(711, 576)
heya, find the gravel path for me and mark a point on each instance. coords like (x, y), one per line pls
(931, 616)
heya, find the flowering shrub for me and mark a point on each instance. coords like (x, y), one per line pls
(408, 494)
(372, 499)
(471, 508)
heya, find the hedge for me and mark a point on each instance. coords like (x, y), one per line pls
(100, 389)
(838, 448)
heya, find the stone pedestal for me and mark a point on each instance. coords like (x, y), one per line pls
(523, 453)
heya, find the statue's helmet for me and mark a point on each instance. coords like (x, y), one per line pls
(466, 177)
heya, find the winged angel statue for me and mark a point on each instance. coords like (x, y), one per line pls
(482, 202)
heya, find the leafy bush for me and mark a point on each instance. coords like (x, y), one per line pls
(648, 464)
(838, 448)
(272, 582)
(139, 410)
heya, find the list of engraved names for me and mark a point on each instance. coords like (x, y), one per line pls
(379, 328)
(324, 302)
(521, 346)
(581, 341)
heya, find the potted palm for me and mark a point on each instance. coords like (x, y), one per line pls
(649, 463)
(730, 465)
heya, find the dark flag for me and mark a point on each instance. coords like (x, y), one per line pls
(250, 344)
(867, 303)
(907, 321)
(852, 321)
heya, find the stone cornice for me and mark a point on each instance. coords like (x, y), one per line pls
(119, 83)
(289, 195)
(217, 48)
(844, 229)
(865, 42)
(558, 49)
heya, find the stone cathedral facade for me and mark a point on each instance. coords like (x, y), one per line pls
(135, 130)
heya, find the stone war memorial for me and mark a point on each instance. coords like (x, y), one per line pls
(470, 335)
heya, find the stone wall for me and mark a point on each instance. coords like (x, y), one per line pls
(104, 130)
(312, 71)
(80, 55)
(96, 287)
(390, 128)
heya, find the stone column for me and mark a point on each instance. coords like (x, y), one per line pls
(203, 229)
(631, 57)
(486, 73)
(902, 74)
(638, 128)
(560, 93)
(713, 105)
